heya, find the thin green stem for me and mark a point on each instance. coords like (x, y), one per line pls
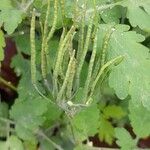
(58, 147)
(6, 120)
(8, 84)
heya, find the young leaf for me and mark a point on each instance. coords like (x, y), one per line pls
(106, 131)
(113, 111)
(124, 139)
(131, 76)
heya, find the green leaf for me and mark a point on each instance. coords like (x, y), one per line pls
(5, 4)
(20, 65)
(86, 121)
(45, 145)
(29, 145)
(4, 110)
(131, 76)
(28, 112)
(21, 112)
(11, 18)
(25, 134)
(52, 115)
(124, 139)
(13, 143)
(113, 111)
(3, 114)
(3, 146)
(138, 13)
(140, 120)
(23, 44)
(2, 45)
(106, 131)
(111, 15)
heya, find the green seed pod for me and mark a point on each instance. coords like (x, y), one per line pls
(54, 23)
(71, 79)
(104, 67)
(82, 57)
(60, 55)
(101, 60)
(43, 54)
(67, 77)
(90, 69)
(33, 50)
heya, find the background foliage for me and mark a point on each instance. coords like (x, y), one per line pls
(101, 89)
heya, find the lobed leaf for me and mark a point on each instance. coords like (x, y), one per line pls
(130, 77)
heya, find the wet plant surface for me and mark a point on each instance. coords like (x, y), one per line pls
(74, 74)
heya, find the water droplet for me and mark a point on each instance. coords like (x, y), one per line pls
(113, 29)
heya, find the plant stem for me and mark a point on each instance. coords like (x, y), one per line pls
(6, 120)
(7, 83)
(58, 147)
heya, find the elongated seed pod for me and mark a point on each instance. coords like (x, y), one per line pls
(43, 54)
(82, 57)
(62, 2)
(102, 58)
(71, 79)
(105, 45)
(33, 57)
(51, 32)
(75, 12)
(60, 56)
(81, 35)
(104, 67)
(33, 51)
(62, 36)
(90, 69)
(54, 22)
(42, 28)
(67, 77)
(68, 50)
